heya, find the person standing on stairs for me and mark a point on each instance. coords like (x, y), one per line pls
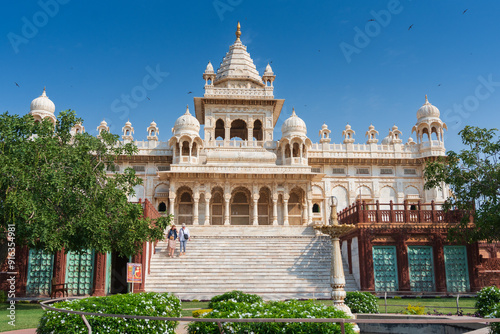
(171, 237)
(183, 238)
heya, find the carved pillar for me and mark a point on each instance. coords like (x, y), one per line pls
(250, 134)
(403, 266)
(59, 272)
(285, 209)
(349, 255)
(473, 262)
(305, 211)
(196, 199)
(255, 217)
(275, 209)
(227, 130)
(367, 281)
(227, 198)
(100, 275)
(309, 209)
(171, 198)
(208, 196)
(439, 267)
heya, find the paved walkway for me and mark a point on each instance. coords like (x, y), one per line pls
(180, 329)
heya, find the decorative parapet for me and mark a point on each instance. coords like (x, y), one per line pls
(266, 92)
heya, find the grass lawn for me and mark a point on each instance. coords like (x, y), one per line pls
(27, 316)
(430, 304)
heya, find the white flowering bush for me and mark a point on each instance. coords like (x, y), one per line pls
(238, 296)
(486, 300)
(495, 326)
(146, 304)
(287, 309)
(361, 302)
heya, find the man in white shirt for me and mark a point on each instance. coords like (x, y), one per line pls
(183, 238)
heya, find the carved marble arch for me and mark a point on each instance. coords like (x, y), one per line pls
(220, 131)
(287, 151)
(364, 193)
(217, 206)
(295, 206)
(240, 206)
(184, 203)
(257, 130)
(238, 129)
(265, 206)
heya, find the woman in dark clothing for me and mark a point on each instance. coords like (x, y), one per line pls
(171, 237)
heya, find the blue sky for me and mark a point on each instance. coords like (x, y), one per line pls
(90, 53)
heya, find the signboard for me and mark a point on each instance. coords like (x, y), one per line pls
(134, 273)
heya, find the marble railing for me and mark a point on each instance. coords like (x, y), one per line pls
(260, 92)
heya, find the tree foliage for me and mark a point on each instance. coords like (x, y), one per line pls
(54, 187)
(473, 176)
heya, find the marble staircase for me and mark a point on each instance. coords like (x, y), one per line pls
(276, 262)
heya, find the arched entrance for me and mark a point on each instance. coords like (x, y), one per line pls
(240, 207)
(185, 207)
(264, 206)
(217, 207)
(295, 207)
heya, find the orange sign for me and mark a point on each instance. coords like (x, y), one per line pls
(134, 273)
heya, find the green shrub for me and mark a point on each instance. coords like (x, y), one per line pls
(495, 326)
(237, 296)
(397, 297)
(486, 300)
(414, 310)
(3, 297)
(148, 304)
(199, 313)
(279, 309)
(361, 302)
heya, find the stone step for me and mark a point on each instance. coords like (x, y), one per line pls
(250, 230)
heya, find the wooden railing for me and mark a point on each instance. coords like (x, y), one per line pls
(406, 212)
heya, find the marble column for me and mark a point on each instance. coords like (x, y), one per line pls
(208, 196)
(227, 220)
(255, 218)
(285, 209)
(275, 211)
(305, 212)
(171, 209)
(309, 209)
(196, 198)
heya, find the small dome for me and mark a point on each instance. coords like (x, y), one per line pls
(42, 103)
(128, 123)
(387, 140)
(103, 123)
(210, 68)
(324, 126)
(371, 127)
(294, 125)
(427, 110)
(187, 124)
(269, 70)
(394, 127)
(153, 124)
(410, 140)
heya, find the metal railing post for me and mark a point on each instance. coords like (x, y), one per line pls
(86, 323)
(221, 330)
(385, 301)
(342, 328)
(458, 296)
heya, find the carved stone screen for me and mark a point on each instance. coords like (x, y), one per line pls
(40, 267)
(457, 273)
(385, 267)
(80, 272)
(421, 267)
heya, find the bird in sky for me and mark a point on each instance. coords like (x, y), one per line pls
(410, 27)
(189, 92)
(148, 98)
(16, 84)
(465, 11)
(370, 20)
(439, 85)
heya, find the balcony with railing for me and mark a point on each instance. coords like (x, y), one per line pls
(398, 213)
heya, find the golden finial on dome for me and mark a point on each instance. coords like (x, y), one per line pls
(238, 31)
(426, 101)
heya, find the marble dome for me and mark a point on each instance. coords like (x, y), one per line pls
(294, 125)
(427, 110)
(187, 124)
(42, 104)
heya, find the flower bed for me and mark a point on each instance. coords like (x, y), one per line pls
(147, 304)
(278, 309)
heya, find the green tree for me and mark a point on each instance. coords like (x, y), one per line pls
(54, 187)
(473, 176)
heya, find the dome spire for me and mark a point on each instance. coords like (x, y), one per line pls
(187, 110)
(426, 101)
(238, 32)
(293, 111)
(44, 93)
